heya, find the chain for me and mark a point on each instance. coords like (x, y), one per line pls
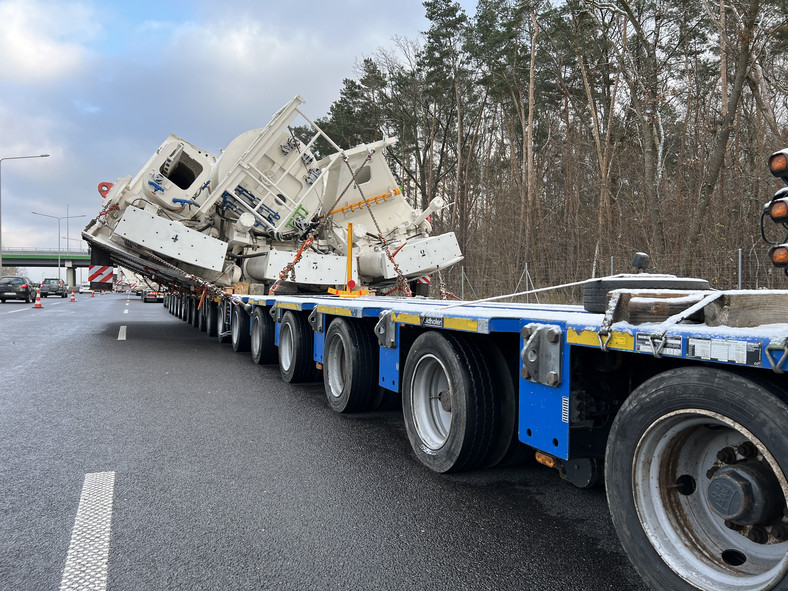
(445, 293)
(289, 269)
(402, 282)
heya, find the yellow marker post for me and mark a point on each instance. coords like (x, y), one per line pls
(349, 291)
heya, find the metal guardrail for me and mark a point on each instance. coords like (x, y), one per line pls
(29, 249)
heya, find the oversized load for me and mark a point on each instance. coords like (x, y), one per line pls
(267, 212)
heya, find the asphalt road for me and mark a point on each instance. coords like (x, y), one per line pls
(227, 478)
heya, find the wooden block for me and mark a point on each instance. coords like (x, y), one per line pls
(743, 310)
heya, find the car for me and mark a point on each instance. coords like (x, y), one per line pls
(53, 287)
(17, 288)
(151, 295)
(84, 287)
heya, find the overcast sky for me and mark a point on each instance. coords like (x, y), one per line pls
(99, 84)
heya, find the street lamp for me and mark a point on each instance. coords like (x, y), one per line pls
(1, 200)
(58, 218)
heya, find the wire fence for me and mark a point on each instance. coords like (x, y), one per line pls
(738, 269)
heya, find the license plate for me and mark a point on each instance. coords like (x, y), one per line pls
(10, 293)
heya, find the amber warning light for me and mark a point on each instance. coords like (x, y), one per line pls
(778, 163)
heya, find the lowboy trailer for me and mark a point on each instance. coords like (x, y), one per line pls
(670, 393)
(675, 399)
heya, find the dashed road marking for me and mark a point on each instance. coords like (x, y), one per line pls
(125, 311)
(88, 552)
(122, 333)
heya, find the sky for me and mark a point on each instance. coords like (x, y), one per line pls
(99, 84)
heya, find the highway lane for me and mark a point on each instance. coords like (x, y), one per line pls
(227, 478)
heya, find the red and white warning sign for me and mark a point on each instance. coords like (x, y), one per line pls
(99, 274)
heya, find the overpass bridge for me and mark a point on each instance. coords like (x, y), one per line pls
(48, 257)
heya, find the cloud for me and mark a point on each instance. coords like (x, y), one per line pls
(43, 41)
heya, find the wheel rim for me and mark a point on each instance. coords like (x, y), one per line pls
(335, 366)
(429, 392)
(673, 472)
(286, 346)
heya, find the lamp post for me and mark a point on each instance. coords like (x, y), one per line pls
(58, 218)
(1, 200)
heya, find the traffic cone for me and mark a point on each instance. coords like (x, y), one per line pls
(92, 294)
(38, 299)
(73, 298)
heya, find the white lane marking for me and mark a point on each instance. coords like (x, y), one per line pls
(88, 552)
(122, 333)
(125, 311)
(19, 310)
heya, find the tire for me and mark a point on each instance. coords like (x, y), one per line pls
(350, 366)
(240, 330)
(506, 448)
(202, 316)
(261, 339)
(448, 402)
(221, 322)
(595, 292)
(673, 476)
(211, 318)
(384, 399)
(195, 313)
(295, 349)
(30, 298)
(62, 295)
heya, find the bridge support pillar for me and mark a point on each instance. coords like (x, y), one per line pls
(71, 277)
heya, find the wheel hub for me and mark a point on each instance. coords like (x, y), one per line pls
(745, 493)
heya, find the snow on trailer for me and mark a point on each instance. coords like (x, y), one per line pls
(669, 392)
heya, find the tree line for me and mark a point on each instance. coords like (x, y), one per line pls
(567, 135)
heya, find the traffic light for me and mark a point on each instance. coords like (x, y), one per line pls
(777, 210)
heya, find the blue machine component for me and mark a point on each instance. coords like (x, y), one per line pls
(156, 186)
(388, 372)
(229, 201)
(544, 389)
(319, 344)
(184, 201)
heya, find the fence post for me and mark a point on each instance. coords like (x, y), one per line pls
(740, 268)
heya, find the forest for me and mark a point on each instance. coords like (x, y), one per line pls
(569, 135)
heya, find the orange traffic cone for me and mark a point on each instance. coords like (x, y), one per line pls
(93, 294)
(38, 299)
(73, 299)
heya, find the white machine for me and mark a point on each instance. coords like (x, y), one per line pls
(266, 211)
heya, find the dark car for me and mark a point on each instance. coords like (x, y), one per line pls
(53, 287)
(17, 288)
(152, 295)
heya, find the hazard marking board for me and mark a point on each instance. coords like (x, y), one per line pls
(100, 274)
